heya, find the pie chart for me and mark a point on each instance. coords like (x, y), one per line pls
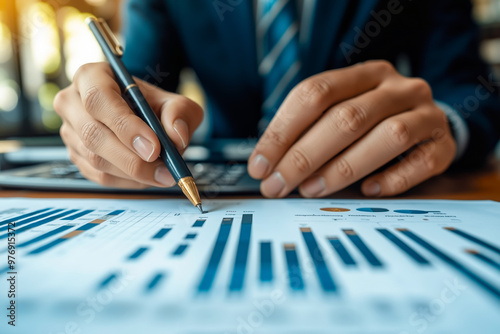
(372, 209)
(335, 209)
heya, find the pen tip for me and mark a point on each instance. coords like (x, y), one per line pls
(200, 208)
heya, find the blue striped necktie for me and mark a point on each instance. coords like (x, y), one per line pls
(279, 52)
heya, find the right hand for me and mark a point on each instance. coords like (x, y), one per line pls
(105, 139)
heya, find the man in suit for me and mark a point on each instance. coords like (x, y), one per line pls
(317, 77)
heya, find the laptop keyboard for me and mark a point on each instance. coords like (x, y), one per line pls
(205, 174)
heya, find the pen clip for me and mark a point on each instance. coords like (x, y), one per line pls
(108, 35)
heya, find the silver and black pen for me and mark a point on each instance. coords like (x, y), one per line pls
(132, 94)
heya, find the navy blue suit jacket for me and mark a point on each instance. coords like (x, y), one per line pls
(217, 39)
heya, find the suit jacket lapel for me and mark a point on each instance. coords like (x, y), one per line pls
(362, 15)
(327, 18)
(327, 32)
(237, 29)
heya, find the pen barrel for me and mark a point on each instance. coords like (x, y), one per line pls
(169, 153)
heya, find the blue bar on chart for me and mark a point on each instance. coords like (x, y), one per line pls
(363, 248)
(324, 276)
(220, 243)
(115, 213)
(484, 258)
(161, 233)
(266, 262)
(108, 280)
(199, 223)
(341, 251)
(39, 223)
(78, 231)
(26, 215)
(294, 273)
(190, 236)
(46, 235)
(137, 254)
(78, 215)
(474, 239)
(453, 263)
(32, 219)
(155, 281)
(404, 247)
(179, 250)
(240, 262)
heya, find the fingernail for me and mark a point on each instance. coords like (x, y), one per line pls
(163, 176)
(273, 185)
(182, 131)
(143, 147)
(372, 189)
(313, 187)
(259, 166)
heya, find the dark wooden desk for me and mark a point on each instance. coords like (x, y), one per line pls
(479, 185)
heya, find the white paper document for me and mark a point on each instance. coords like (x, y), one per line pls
(249, 266)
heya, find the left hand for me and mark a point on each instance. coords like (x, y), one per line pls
(341, 125)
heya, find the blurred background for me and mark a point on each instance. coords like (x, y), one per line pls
(42, 44)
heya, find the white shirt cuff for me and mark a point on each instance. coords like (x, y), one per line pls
(459, 128)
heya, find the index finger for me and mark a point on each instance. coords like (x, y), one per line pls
(102, 99)
(305, 104)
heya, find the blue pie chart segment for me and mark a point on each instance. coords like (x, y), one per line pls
(372, 209)
(412, 212)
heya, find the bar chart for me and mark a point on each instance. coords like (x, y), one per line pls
(352, 263)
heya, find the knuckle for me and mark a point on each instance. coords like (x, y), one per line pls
(382, 66)
(91, 134)
(398, 132)
(73, 156)
(400, 184)
(348, 118)
(60, 101)
(92, 98)
(430, 162)
(300, 161)
(420, 88)
(103, 178)
(135, 168)
(88, 68)
(121, 124)
(344, 169)
(95, 160)
(82, 69)
(275, 138)
(313, 92)
(64, 131)
(184, 103)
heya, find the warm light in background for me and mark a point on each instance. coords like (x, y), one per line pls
(80, 46)
(97, 3)
(46, 95)
(9, 90)
(43, 36)
(8, 95)
(5, 43)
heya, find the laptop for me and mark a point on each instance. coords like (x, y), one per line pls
(218, 168)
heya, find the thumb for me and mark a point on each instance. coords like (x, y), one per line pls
(179, 115)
